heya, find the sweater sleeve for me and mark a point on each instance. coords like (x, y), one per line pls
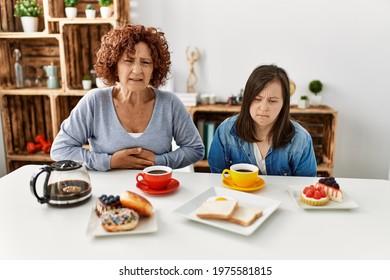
(186, 136)
(74, 134)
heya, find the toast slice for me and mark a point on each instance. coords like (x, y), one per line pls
(245, 216)
(217, 209)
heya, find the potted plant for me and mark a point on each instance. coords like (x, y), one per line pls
(105, 8)
(303, 102)
(29, 11)
(90, 11)
(70, 8)
(87, 82)
(315, 87)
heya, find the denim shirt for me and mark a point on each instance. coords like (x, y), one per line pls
(297, 158)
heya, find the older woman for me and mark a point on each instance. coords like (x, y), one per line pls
(131, 123)
(263, 134)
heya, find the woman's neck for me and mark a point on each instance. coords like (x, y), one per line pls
(132, 97)
(263, 133)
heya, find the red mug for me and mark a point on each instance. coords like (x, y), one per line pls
(156, 177)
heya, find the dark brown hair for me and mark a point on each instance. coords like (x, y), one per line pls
(283, 130)
(123, 39)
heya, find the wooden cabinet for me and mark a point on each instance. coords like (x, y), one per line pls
(68, 44)
(320, 121)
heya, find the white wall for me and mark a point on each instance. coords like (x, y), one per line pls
(344, 43)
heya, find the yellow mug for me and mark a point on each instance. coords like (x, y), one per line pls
(242, 174)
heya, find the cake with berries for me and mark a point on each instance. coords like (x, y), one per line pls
(331, 188)
(314, 195)
(107, 203)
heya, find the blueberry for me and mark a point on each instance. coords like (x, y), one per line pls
(111, 196)
(103, 196)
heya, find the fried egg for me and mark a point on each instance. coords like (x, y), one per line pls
(220, 198)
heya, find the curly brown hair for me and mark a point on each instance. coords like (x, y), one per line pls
(122, 39)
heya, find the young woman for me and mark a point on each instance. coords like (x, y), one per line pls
(262, 133)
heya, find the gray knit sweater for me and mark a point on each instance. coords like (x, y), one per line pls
(95, 121)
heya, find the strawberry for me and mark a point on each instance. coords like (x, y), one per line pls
(310, 193)
(323, 193)
(305, 190)
(317, 195)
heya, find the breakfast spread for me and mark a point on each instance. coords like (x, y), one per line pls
(324, 190)
(122, 213)
(228, 209)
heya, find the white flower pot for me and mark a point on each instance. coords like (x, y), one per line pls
(30, 24)
(105, 12)
(71, 12)
(315, 100)
(302, 103)
(90, 13)
(87, 84)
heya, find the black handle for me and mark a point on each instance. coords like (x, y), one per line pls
(33, 182)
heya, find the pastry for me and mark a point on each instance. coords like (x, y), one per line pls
(105, 203)
(331, 188)
(314, 195)
(138, 203)
(122, 219)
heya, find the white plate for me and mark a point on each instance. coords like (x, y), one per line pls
(348, 203)
(145, 225)
(268, 206)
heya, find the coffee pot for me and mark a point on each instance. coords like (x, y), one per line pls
(67, 183)
(52, 75)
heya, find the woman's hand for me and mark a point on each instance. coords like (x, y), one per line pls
(133, 158)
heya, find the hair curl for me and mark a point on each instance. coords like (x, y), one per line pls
(122, 39)
(283, 130)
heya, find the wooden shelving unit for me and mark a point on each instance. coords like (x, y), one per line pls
(68, 44)
(320, 121)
